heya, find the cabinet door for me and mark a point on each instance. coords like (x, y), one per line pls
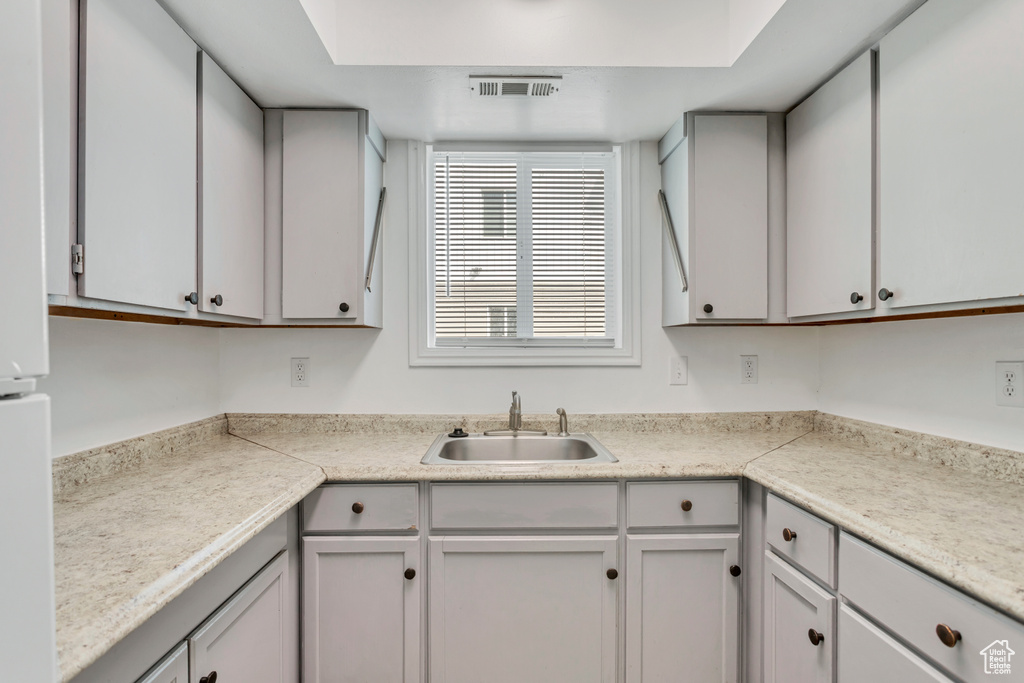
(361, 612)
(172, 669)
(951, 80)
(245, 639)
(137, 197)
(507, 610)
(321, 215)
(866, 653)
(793, 607)
(682, 608)
(729, 212)
(231, 197)
(829, 178)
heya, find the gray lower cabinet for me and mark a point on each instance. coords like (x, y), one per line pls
(799, 634)
(866, 653)
(244, 640)
(526, 608)
(361, 609)
(682, 608)
(172, 669)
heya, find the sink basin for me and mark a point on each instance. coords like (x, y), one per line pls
(516, 450)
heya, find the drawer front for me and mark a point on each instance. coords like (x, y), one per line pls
(524, 506)
(866, 653)
(682, 504)
(813, 547)
(358, 507)
(912, 605)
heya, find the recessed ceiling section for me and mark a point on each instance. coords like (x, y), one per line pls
(539, 33)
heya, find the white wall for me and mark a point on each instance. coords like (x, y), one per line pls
(935, 376)
(115, 380)
(367, 371)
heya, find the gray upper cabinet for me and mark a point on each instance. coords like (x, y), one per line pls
(231, 197)
(829, 195)
(245, 639)
(714, 173)
(682, 608)
(951, 152)
(523, 608)
(332, 177)
(137, 173)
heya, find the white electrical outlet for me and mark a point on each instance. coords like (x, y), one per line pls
(300, 372)
(748, 369)
(1010, 383)
(678, 371)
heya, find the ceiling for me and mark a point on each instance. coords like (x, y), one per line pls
(273, 50)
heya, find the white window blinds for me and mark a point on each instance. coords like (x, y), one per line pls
(522, 247)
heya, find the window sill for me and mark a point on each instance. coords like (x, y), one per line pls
(484, 357)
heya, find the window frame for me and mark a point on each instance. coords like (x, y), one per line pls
(423, 351)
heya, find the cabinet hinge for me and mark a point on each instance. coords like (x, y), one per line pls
(77, 259)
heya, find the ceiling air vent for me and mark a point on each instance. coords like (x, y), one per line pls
(515, 86)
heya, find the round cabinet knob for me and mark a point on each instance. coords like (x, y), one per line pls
(217, 300)
(788, 535)
(686, 505)
(410, 573)
(708, 308)
(193, 299)
(856, 298)
(885, 294)
(735, 570)
(613, 574)
(358, 508)
(815, 637)
(948, 636)
(343, 307)
(212, 678)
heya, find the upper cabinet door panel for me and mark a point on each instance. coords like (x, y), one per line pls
(951, 80)
(231, 228)
(829, 141)
(322, 215)
(730, 216)
(137, 211)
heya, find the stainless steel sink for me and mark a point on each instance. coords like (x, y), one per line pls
(516, 450)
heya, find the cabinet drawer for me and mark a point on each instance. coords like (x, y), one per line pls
(524, 506)
(866, 653)
(352, 507)
(813, 544)
(913, 605)
(682, 504)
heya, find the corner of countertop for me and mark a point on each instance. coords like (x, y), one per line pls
(76, 469)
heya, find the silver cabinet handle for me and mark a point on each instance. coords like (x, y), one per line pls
(671, 232)
(376, 235)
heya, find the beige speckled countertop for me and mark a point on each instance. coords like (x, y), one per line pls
(953, 509)
(128, 542)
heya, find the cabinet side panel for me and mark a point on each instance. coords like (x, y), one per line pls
(675, 308)
(730, 201)
(137, 214)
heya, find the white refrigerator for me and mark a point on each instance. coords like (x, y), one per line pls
(27, 639)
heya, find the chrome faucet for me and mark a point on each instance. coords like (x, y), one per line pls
(563, 422)
(515, 421)
(515, 413)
